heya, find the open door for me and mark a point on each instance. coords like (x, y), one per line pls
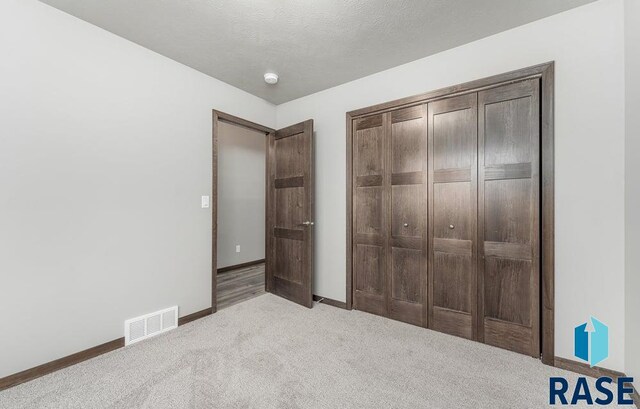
(290, 185)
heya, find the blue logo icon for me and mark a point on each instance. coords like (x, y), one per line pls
(591, 344)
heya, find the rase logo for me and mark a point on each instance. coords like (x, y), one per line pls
(591, 344)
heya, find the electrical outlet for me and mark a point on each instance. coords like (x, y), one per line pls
(238, 248)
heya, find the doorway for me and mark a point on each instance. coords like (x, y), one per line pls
(241, 201)
(262, 211)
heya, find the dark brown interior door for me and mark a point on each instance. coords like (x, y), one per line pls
(509, 216)
(290, 216)
(389, 214)
(406, 176)
(452, 212)
(369, 221)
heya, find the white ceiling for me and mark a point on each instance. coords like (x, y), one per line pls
(312, 45)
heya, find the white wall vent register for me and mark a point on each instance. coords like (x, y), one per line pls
(149, 325)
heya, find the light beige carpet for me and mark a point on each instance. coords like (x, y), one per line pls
(270, 353)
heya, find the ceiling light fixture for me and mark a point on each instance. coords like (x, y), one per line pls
(270, 78)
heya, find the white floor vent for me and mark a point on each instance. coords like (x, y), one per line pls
(149, 325)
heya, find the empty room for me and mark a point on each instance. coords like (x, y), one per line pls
(319, 204)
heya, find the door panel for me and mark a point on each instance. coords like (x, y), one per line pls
(369, 149)
(407, 140)
(407, 245)
(290, 152)
(369, 208)
(507, 220)
(289, 205)
(289, 255)
(453, 214)
(406, 269)
(452, 278)
(506, 290)
(451, 204)
(407, 207)
(453, 148)
(370, 277)
(509, 139)
(508, 223)
(369, 220)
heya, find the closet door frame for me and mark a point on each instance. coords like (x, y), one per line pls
(545, 74)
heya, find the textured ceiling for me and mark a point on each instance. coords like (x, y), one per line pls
(312, 45)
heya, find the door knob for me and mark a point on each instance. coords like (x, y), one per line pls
(406, 225)
(451, 226)
(307, 223)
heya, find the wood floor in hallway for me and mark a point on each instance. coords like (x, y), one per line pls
(239, 285)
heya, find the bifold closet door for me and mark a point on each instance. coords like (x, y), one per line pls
(446, 215)
(452, 215)
(509, 216)
(369, 211)
(407, 174)
(389, 213)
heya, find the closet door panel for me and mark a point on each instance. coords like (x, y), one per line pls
(507, 292)
(407, 244)
(452, 281)
(407, 207)
(451, 204)
(453, 215)
(407, 140)
(507, 120)
(369, 149)
(452, 144)
(370, 280)
(369, 210)
(509, 215)
(369, 218)
(508, 219)
(406, 269)
(370, 269)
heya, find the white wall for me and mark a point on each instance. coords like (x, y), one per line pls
(587, 45)
(632, 188)
(105, 150)
(241, 194)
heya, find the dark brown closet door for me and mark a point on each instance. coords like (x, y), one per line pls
(453, 213)
(406, 174)
(369, 210)
(508, 223)
(290, 213)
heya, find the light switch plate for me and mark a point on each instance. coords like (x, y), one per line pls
(205, 202)
(238, 248)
